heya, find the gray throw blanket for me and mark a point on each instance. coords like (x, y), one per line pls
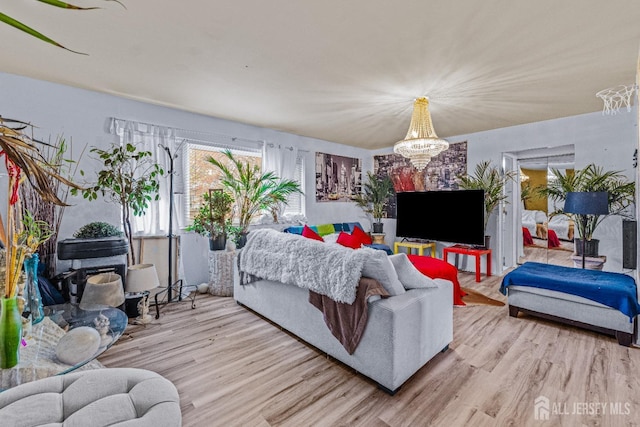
(327, 269)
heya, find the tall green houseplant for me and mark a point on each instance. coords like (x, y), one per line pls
(252, 189)
(212, 217)
(130, 178)
(488, 178)
(373, 199)
(620, 193)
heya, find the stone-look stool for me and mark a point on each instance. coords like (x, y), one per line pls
(221, 273)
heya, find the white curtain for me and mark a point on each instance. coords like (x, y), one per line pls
(282, 161)
(154, 138)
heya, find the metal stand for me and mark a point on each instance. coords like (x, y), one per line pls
(177, 285)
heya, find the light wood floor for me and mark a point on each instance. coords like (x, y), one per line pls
(232, 368)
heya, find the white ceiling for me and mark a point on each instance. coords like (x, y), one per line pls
(340, 70)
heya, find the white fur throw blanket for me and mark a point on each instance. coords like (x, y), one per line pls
(328, 269)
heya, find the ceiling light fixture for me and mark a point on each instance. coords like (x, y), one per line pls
(421, 142)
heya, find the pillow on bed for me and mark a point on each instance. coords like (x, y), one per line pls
(540, 217)
(409, 275)
(528, 216)
(331, 238)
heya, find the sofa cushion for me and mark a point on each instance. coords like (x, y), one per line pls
(409, 275)
(378, 266)
(310, 234)
(364, 238)
(325, 229)
(348, 240)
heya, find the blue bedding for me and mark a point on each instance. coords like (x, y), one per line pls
(614, 290)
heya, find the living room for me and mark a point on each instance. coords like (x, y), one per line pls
(81, 113)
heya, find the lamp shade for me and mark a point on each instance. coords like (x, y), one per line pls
(102, 289)
(587, 203)
(141, 278)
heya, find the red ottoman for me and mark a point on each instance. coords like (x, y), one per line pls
(439, 269)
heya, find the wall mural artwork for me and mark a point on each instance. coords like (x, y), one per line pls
(440, 173)
(338, 178)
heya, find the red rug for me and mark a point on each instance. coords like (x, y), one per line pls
(439, 269)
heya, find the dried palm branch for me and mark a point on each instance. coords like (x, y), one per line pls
(21, 150)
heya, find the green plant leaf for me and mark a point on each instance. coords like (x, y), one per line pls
(64, 5)
(22, 27)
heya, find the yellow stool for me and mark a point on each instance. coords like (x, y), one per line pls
(413, 245)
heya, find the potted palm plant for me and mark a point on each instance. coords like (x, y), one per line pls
(252, 189)
(212, 217)
(488, 178)
(373, 199)
(620, 194)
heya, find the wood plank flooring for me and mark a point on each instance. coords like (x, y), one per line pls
(233, 368)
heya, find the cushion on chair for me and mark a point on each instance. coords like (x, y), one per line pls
(103, 397)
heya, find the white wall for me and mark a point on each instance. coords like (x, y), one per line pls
(81, 115)
(608, 141)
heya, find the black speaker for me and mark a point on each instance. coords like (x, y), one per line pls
(629, 244)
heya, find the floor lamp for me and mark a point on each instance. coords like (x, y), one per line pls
(585, 203)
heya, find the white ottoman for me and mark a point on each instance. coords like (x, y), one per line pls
(101, 397)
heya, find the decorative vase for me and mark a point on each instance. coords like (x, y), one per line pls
(10, 332)
(32, 290)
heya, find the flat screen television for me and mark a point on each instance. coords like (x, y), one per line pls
(445, 216)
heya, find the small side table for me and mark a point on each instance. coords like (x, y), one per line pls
(378, 238)
(415, 245)
(464, 250)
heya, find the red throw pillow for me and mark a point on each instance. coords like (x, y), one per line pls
(363, 237)
(346, 239)
(310, 234)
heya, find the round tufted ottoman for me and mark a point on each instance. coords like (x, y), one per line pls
(101, 397)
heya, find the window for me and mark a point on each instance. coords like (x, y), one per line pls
(200, 175)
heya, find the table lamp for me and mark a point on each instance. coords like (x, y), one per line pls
(102, 289)
(141, 278)
(586, 203)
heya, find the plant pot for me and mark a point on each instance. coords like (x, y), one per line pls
(487, 242)
(242, 240)
(218, 242)
(378, 227)
(590, 247)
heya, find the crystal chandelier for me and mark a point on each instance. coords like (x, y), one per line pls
(421, 142)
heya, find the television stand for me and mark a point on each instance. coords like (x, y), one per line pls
(415, 245)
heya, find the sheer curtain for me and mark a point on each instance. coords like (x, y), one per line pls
(282, 161)
(154, 138)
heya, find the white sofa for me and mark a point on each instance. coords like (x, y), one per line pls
(402, 334)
